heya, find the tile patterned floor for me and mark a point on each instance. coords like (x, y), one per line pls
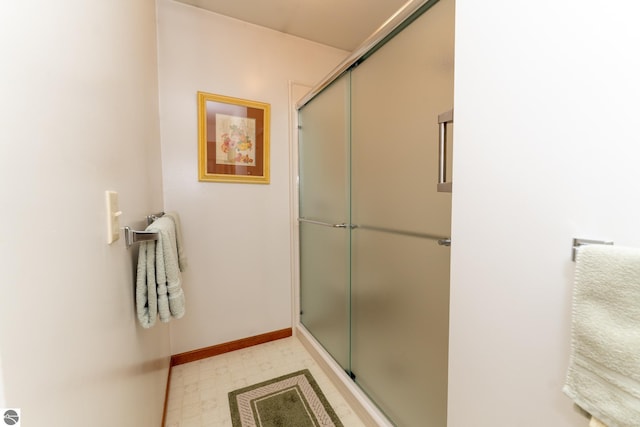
(198, 390)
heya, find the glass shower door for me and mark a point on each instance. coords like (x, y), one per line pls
(400, 269)
(324, 218)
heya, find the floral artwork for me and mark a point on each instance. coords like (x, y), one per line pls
(235, 140)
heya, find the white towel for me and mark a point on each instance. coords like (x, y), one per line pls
(604, 368)
(182, 258)
(159, 283)
(146, 296)
(168, 278)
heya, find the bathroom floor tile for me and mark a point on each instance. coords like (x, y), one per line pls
(198, 392)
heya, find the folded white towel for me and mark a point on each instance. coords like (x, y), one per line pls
(182, 258)
(158, 282)
(146, 296)
(169, 281)
(604, 368)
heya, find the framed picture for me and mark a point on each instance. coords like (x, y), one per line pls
(233, 139)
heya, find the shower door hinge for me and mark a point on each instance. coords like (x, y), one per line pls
(351, 374)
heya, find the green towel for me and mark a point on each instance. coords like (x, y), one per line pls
(168, 278)
(146, 296)
(158, 281)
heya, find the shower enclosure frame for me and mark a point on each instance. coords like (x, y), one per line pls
(366, 409)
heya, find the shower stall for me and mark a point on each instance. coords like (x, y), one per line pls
(375, 144)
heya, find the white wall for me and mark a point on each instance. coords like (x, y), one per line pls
(237, 236)
(546, 98)
(78, 116)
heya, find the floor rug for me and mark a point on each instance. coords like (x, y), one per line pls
(293, 400)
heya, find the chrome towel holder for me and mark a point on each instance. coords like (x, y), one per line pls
(581, 242)
(136, 236)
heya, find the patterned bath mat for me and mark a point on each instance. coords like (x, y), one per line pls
(292, 400)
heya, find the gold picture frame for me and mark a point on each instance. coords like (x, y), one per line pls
(233, 139)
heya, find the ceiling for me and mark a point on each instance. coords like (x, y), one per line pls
(343, 24)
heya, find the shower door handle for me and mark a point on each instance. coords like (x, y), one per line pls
(443, 119)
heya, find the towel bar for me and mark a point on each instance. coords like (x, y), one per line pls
(153, 217)
(581, 242)
(134, 236)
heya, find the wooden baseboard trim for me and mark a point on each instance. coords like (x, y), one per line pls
(203, 353)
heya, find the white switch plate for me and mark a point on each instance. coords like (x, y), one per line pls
(113, 215)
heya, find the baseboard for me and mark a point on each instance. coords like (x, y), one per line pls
(214, 350)
(203, 353)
